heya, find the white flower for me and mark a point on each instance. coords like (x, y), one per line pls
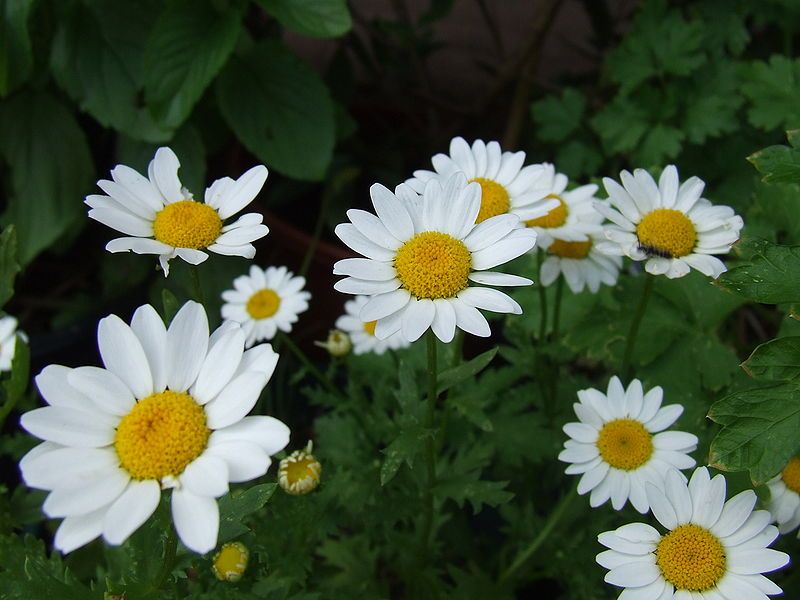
(265, 301)
(506, 186)
(423, 252)
(167, 411)
(669, 226)
(713, 550)
(784, 503)
(581, 264)
(8, 342)
(162, 218)
(362, 333)
(617, 446)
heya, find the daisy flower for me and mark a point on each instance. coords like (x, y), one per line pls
(668, 225)
(162, 218)
(784, 503)
(8, 342)
(423, 252)
(362, 334)
(265, 301)
(506, 186)
(712, 550)
(167, 411)
(620, 443)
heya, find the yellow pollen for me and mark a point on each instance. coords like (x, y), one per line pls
(263, 304)
(791, 474)
(494, 199)
(625, 444)
(369, 327)
(555, 218)
(433, 265)
(187, 224)
(666, 232)
(691, 558)
(570, 249)
(161, 435)
(300, 472)
(230, 562)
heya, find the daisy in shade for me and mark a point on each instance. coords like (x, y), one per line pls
(620, 443)
(362, 334)
(712, 549)
(784, 503)
(265, 301)
(424, 255)
(506, 186)
(167, 411)
(668, 225)
(8, 342)
(161, 217)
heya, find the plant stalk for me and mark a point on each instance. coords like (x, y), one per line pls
(301, 356)
(430, 445)
(627, 370)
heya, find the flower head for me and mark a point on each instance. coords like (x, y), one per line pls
(230, 562)
(167, 411)
(161, 217)
(362, 333)
(620, 444)
(300, 472)
(784, 503)
(338, 343)
(712, 548)
(424, 253)
(8, 342)
(668, 225)
(265, 301)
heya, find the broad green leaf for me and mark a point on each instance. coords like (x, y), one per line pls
(660, 144)
(776, 360)
(9, 267)
(773, 88)
(235, 506)
(189, 44)
(280, 109)
(47, 199)
(315, 18)
(778, 164)
(450, 377)
(759, 431)
(16, 55)
(772, 277)
(557, 117)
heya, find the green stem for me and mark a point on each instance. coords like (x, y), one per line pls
(197, 289)
(627, 370)
(542, 299)
(430, 454)
(455, 359)
(315, 372)
(557, 308)
(170, 551)
(552, 520)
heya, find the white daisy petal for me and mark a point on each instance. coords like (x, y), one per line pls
(187, 343)
(69, 427)
(244, 460)
(82, 498)
(207, 475)
(123, 355)
(242, 192)
(128, 512)
(79, 530)
(235, 401)
(107, 391)
(152, 334)
(196, 520)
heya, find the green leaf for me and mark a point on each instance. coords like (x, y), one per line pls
(188, 46)
(16, 55)
(621, 124)
(17, 383)
(471, 407)
(772, 277)
(280, 109)
(170, 303)
(773, 89)
(235, 506)
(660, 143)
(48, 193)
(9, 267)
(759, 431)
(556, 118)
(404, 448)
(776, 360)
(315, 18)
(778, 164)
(577, 158)
(450, 377)
(476, 492)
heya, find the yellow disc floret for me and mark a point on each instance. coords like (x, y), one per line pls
(230, 562)
(300, 472)
(187, 224)
(691, 558)
(791, 475)
(666, 232)
(161, 435)
(555, 218)
(263, 304)
(433, 265)
(494, 199)
(625, 444)
(369, 327)
(570, 249)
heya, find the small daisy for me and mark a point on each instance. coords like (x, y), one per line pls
(167, 411)
(230, 562)
(669, 226)
(362, 334)
(300, 472)
(8, 342)
(506, 186)
(338, 343)
(617, 446)
(713, 550)
(423, 252)
(162, 218)
(265, 301)
(784, 503)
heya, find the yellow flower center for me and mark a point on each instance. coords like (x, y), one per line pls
(625, 444)
(555, 218)
(161, 435)
(231, 561)
(263, 304)
(187, 224)
(299, 473)
(570, 249)
(791, 475)
(433, 265)
(691, 558)
(666, 232)
(369, 327)
(494, 199)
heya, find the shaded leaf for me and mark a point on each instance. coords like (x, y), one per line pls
(776, 360)
(315, 18)
(771, 277)
(235, 506)
(9, 267)
(451, 377)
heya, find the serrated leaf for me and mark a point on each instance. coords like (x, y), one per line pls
(660, 143)
(621, 124)
(759, 431)
(280, 109)
(476, 492)
(235, 506)
(471, 408)
(557, 117)
(451, 377)
(772, 276)
(773, 88)
(777, 164)
(775, 360)
(9, 267)
(315, 18)
(404, 448)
